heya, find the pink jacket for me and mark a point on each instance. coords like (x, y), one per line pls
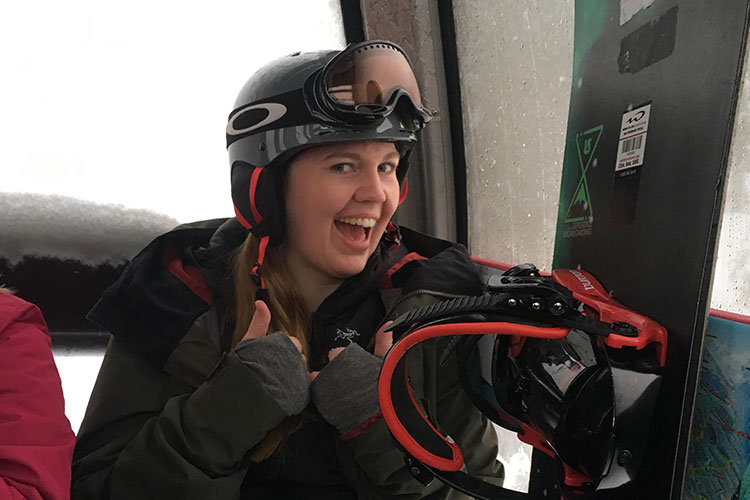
(36, 441)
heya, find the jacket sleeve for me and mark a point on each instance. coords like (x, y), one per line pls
(147, 435)
(36, 441)
(379, 469)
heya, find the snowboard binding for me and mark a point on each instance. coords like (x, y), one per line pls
(554, 359)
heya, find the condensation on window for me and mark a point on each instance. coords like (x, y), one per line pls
(731, 285)
(515, 63)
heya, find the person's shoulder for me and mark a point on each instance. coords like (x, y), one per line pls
(167, 287)
(176, 251)
(425, 245)
(189, 235)
(435, 264)
(17, 313)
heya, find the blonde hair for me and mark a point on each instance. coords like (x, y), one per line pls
(6, 290)
(288, 314)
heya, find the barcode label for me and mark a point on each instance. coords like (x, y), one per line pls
(632, 144)
(633, 132)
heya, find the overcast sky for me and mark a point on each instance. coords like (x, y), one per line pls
(126, 103)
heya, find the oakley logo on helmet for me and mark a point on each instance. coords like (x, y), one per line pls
(274, 112)
(583, 279)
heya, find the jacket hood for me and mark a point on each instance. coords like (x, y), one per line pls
(167, 286)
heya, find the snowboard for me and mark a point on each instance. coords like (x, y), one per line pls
(652, 105)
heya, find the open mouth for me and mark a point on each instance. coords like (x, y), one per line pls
(355, 230)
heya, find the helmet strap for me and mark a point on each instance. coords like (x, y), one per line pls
(256, 274)
(392, 236)
(404, 190)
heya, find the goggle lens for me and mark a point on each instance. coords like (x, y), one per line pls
(370, 75)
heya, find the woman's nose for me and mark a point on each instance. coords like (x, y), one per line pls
(370, 187)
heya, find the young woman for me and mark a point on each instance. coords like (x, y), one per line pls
(36, 441)
(245, 352)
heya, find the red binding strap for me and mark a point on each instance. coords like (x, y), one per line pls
(530, 435)
(587, 289)
(398, 351)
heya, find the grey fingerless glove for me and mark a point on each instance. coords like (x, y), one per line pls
(280, 368)
(346, 390)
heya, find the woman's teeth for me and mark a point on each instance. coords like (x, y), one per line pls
(356, 221)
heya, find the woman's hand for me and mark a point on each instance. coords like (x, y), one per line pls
(345, 392)
(276, 360)
(261, 321)
(383, 340)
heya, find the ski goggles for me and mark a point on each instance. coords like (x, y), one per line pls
(366, 82)
(552, 358)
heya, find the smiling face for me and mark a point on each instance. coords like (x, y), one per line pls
(339, 198)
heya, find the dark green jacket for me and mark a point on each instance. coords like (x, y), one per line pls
(174, 412)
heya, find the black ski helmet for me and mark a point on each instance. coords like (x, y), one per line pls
(365, 92)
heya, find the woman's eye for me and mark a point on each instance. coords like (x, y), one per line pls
(342, 168)
(386, 168)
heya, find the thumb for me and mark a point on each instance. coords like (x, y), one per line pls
(383, 340)
(260, 322)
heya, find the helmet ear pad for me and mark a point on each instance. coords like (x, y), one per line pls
(257, 193)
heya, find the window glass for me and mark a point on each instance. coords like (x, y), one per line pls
(515, 63)
(127, 103)
(113, 132)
